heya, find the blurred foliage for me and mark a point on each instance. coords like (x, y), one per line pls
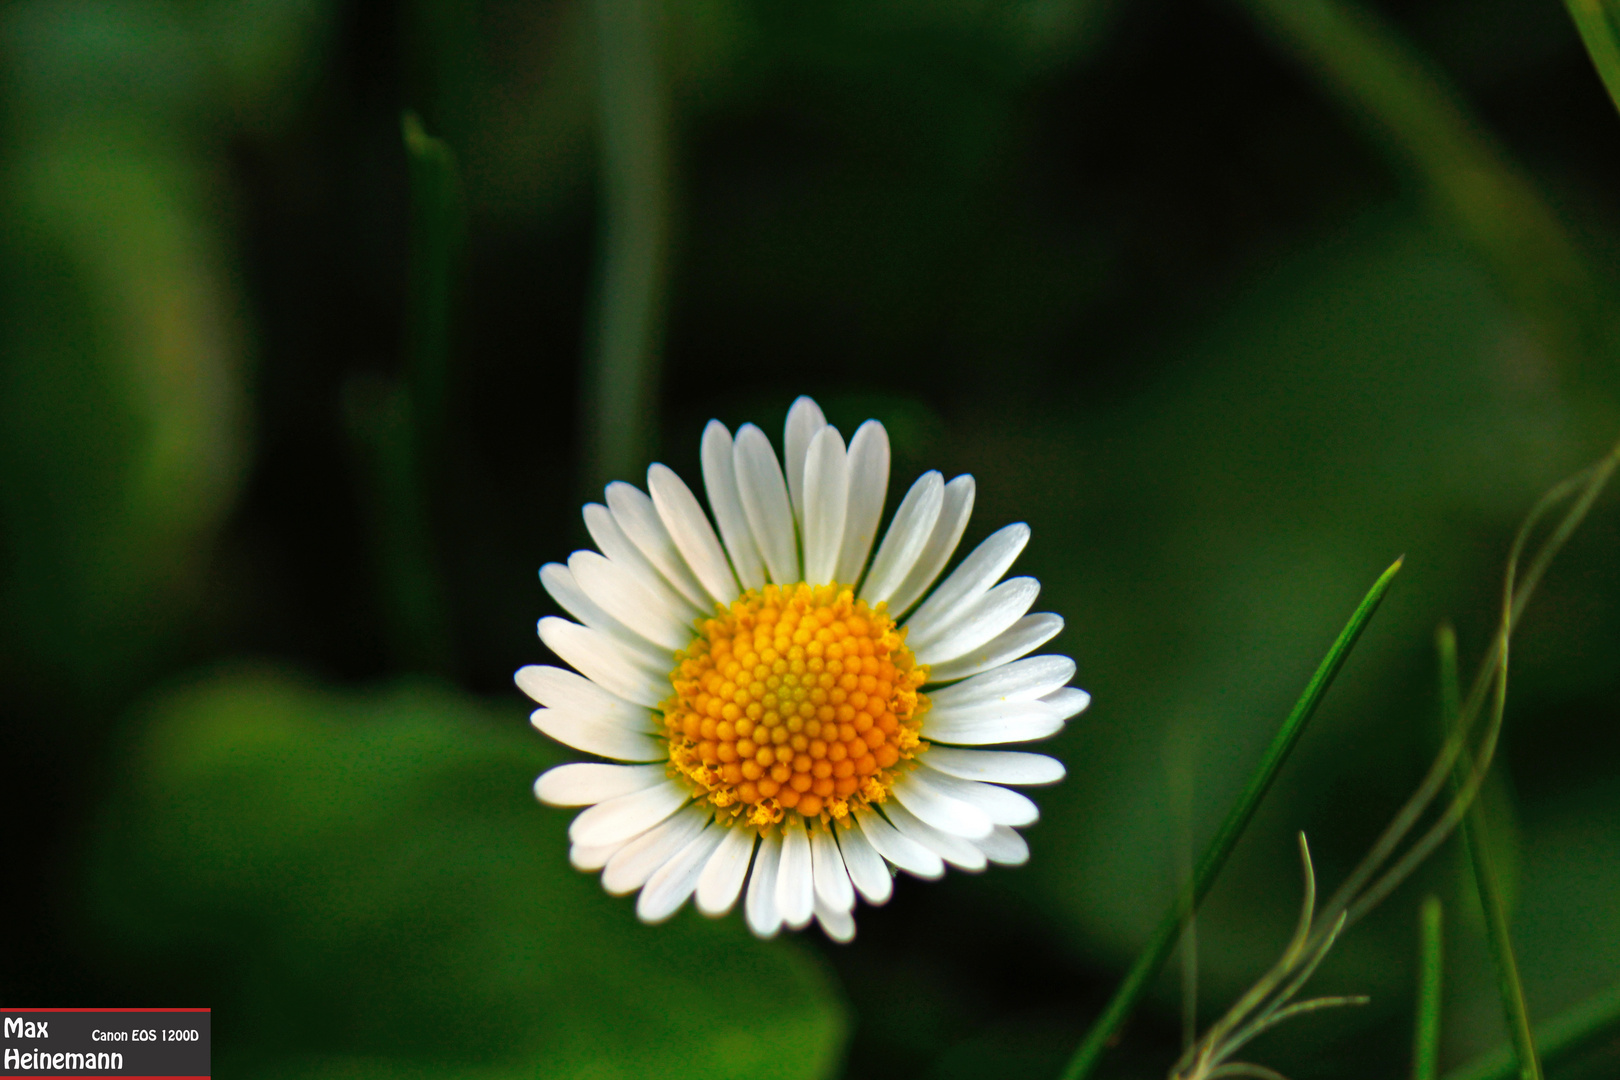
(1140, 268)
(123, 410)
(363, 884)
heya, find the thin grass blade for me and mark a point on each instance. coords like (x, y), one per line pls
(1431, 959)
(1164, 938)
(1599, 24)
(626, 336)
(1477, 844)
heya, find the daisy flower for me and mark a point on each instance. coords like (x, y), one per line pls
(797, 718)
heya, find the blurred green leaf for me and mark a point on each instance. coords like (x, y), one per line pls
(1423, 123)
(122, 427)
(364, 884)
(1599, 24)
(251, 61)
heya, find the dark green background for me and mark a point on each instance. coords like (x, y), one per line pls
(1131, 265)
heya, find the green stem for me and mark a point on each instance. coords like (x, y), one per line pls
(1164, 938)
(380, 424)
(622, 367)
(1596, 21)
(1426, 1040)
(1560, 1039)
(437, 226)
(1476, 841)
(397, 426)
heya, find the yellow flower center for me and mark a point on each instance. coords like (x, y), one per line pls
(795, 698)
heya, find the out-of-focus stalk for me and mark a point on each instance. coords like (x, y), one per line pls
(397, 426)
(1476, 843)
(1560, 1039)
(1422, 124)
(1431, 965)
(1599, 24)
(437, 228)
(626, 332)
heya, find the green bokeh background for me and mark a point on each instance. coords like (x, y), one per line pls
(1135, 267)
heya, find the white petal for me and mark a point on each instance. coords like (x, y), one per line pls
(908, 534)
(1024, 636)
(985, 725)
(559, 582)
(611, 666)
(867, 870)
(827, 870)
(1000, 805)
(764, 919)
(634, 863)
(826, 502)
(573, 692)
(837, 923)
(594, 734)
(943, 810)
(723, 877)
(635, 513)
(1004, 846)
(1069, 701)
(947, 533)
(956, 850)
(628, 815)
(693, 535)
(765, 504)
(591, 859)
(868, 487)
(795, 889)
(896, 847)
(804, 423)
(618, 593)
(967, 583)
(996, 766)
(1022, 680)
(611, 540)
(668, 889)
(983, 621)
(720, 482)
(585, 783)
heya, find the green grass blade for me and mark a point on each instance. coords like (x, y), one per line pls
(381, 427)
(1431, 964)
(633, 249)
(1598, 21)
(1477, 843)
(437, 227)
(1561, 1039)
(1164, 938)
(1476, 840)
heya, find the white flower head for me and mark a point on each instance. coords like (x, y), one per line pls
(800, 718)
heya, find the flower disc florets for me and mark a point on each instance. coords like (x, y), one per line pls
(794, 698)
